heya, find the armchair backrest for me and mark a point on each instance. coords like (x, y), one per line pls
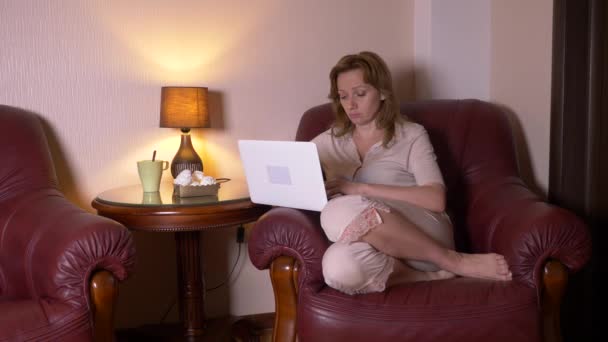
(26, 168)
(25, 160)
(472, 140)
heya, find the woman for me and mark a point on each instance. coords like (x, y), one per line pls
(386, 215)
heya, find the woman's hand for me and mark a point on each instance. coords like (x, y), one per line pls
(337, 187)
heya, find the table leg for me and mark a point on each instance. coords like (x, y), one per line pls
(191, 282)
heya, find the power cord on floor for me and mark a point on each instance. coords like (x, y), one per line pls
(238, 256)
(240, 237)
(173, 301)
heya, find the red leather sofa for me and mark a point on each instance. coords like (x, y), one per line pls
(493, 211)
(59, 265)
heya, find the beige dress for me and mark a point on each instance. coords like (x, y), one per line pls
(353, 266)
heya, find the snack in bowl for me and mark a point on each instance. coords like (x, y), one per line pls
(188, 184)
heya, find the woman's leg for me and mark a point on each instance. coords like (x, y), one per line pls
(402, 273)
(401, 239)
(356, 267)
(360, 268)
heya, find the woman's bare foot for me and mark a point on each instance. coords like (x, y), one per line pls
(402, 273)
(486, 266)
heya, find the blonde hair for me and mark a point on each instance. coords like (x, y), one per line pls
(375, 73)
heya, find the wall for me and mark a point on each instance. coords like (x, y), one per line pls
(453, 53)
(521, 79)
(93, 71)
(500, 51)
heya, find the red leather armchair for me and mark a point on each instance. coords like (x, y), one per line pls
(492, 210)
(59, 265)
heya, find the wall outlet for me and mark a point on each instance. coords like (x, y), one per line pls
(240, 234)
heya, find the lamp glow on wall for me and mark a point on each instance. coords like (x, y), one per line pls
(184, 108)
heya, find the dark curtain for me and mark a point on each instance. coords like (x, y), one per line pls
(579, 148)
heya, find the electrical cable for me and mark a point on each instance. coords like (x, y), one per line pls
(238, 256)
(174, 299)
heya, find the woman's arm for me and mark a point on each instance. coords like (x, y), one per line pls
(428, 196)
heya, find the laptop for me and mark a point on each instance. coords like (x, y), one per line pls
(283, 173)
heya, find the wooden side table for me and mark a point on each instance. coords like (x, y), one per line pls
(186, 217)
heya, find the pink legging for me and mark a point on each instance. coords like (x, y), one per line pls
(353, 266)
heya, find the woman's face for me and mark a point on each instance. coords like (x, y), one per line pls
(361, 101)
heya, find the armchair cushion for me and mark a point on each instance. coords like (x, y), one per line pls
(483, 309)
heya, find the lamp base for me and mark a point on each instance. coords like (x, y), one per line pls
(186, 157)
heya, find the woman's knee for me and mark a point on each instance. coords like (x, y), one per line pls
(338, 213)
(342, 270)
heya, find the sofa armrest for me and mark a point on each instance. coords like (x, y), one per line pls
(59, 246)
(507, 218)
(294, 233)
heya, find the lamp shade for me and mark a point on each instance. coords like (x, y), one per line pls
(184, 107)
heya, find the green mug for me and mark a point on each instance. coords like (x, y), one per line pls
(150, 173)
(151, 198)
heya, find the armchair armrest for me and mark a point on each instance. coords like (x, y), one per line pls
(59, 246)
(507, 218)
(293, 233)
(291, 243)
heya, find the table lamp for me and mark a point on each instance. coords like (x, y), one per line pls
(184, 108)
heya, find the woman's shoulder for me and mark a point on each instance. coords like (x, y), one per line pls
(410, 129)
(323, 137)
